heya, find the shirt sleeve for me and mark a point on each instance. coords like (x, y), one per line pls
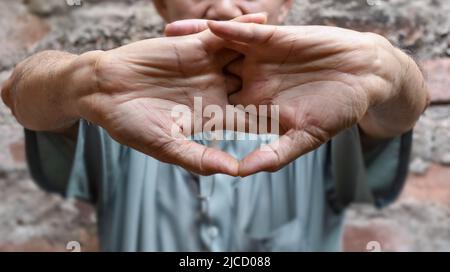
(376, 176)
(74, 169)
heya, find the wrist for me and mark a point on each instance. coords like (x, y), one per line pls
(402, 104)
(406, 64)
(83, 83)
(388, 102)
(388, 68)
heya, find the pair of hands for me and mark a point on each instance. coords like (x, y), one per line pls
(324, 80)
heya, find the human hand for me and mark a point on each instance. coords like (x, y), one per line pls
(141, 83)
(324, 80)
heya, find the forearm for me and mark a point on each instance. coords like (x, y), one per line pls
(43, 89)
(402, 107)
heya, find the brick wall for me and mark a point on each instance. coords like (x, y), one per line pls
(31, 219)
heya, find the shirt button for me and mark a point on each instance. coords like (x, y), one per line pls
(213, 232)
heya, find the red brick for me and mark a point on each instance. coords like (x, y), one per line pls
(17, 150)
(88, 243)
(389, 235)
(432, 187)
(437, 72)
(20, 31)
(37, 245)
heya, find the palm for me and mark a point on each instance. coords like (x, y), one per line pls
(320, 82)
(315, 98)
(140, 85)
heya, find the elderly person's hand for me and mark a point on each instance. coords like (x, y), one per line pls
(324, 79)
(140, 84)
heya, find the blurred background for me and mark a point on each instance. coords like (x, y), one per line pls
(32, 220)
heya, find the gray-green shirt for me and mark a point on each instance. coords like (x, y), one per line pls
(146, 205)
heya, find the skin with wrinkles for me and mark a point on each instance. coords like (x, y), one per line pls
(324, 80)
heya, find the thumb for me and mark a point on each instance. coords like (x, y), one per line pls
(276, 155)
(193, 26)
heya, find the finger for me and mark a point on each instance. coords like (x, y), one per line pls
(276, 155)
(255, 91)
(235, 67)
(200, 159)
(244, 97)
(244, 33)
(192, 26)
(213, 42)
(185, 27)
(226, 56)
(233, 83)
(257, 18)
